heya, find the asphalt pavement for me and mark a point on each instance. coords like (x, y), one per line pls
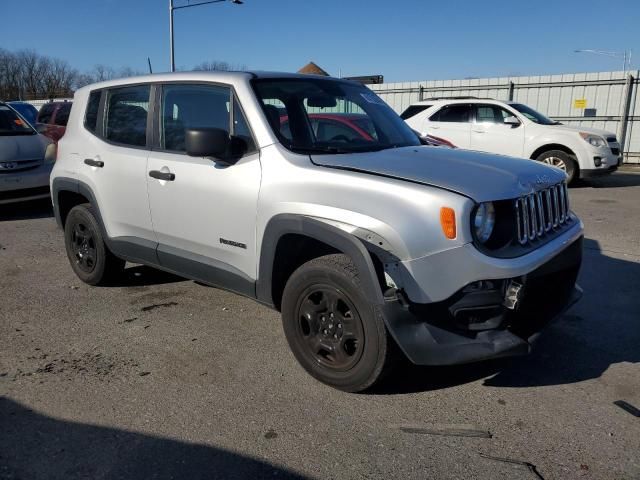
(160, 377)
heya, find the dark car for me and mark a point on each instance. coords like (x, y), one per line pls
(52, 119)
(28, 111)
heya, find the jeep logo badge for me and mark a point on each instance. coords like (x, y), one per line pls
(542, 180)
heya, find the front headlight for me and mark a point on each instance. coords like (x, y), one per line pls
(484, 221)
(593, 140)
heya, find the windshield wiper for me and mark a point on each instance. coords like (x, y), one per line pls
(306, 149)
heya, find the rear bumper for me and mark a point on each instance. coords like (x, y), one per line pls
(474, 324)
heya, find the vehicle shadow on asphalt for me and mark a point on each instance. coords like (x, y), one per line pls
(26, 210)
(602, 330)
(143, 276)
(615, 180)
(36, 446)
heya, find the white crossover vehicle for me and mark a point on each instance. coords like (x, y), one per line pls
(371, 246)
(514, 129)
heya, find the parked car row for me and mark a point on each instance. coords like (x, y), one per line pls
(514, 129)
(26, 158)
(27, 148)
(311, 196)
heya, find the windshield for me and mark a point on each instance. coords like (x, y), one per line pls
(12, 124)
(532, 115)
(330, 116)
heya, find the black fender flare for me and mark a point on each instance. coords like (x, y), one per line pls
(128, 248)
(351, 246)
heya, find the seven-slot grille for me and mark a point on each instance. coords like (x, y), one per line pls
(539, 213)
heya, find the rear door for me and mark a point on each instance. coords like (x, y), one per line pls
(114, 162)
(489, 133)
(452, 123)
(204, 217)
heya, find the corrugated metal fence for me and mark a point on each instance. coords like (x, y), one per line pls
(610, 98)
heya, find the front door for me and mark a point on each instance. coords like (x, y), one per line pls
(489, 133)
(204, 214)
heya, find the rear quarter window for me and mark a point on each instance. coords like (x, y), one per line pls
(91, 114)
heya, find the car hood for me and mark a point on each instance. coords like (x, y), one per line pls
(16, 148)
(573, 128)
(479, 176)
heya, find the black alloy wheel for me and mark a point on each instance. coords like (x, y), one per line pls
(83, 246)
(331, 327)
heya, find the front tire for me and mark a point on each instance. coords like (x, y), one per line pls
(90, 258)
(562, 160)
(335, 333)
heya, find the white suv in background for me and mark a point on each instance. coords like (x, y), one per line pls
(514, 129)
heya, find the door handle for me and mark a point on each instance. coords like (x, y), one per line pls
(94, 163)
(157, 174)
(479, 131)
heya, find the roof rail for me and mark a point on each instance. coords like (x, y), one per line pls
(457, 98)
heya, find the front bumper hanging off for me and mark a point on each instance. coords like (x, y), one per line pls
(488, 319)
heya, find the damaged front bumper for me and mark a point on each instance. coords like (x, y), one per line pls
(487, 319)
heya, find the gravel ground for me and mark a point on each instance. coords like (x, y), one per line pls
(163, 378)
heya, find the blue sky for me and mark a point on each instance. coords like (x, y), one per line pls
(401, 39)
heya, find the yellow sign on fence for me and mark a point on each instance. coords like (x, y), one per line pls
(580, 103)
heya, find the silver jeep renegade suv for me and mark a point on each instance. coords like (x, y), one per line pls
(311, 196)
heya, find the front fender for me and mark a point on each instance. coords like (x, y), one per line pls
(333, 236)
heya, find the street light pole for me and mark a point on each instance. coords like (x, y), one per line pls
(172, 8)
(173, 63)
(626, 56)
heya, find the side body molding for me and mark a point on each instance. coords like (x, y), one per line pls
(351, 246)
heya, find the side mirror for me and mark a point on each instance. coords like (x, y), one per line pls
(512, 120)
(207, 142)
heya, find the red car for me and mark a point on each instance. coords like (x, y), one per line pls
(52, 119)
(349, 127)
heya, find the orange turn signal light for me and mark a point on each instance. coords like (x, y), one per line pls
(448, 222)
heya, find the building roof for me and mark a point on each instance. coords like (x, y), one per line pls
(313, 69)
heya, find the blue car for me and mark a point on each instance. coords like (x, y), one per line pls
(28, 111)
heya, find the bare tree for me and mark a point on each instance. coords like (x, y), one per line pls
(215, 65)
(27, 75)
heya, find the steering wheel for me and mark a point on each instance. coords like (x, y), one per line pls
(340, 138)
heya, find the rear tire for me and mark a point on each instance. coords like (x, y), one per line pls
(562, 160)
(90, 258)
(335, 333)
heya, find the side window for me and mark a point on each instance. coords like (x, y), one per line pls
(188, 106)
(452, 113)
(241, 128)
(62, 115)
(91, 115)
(491, 113)
(126, 115)
(46, 112)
